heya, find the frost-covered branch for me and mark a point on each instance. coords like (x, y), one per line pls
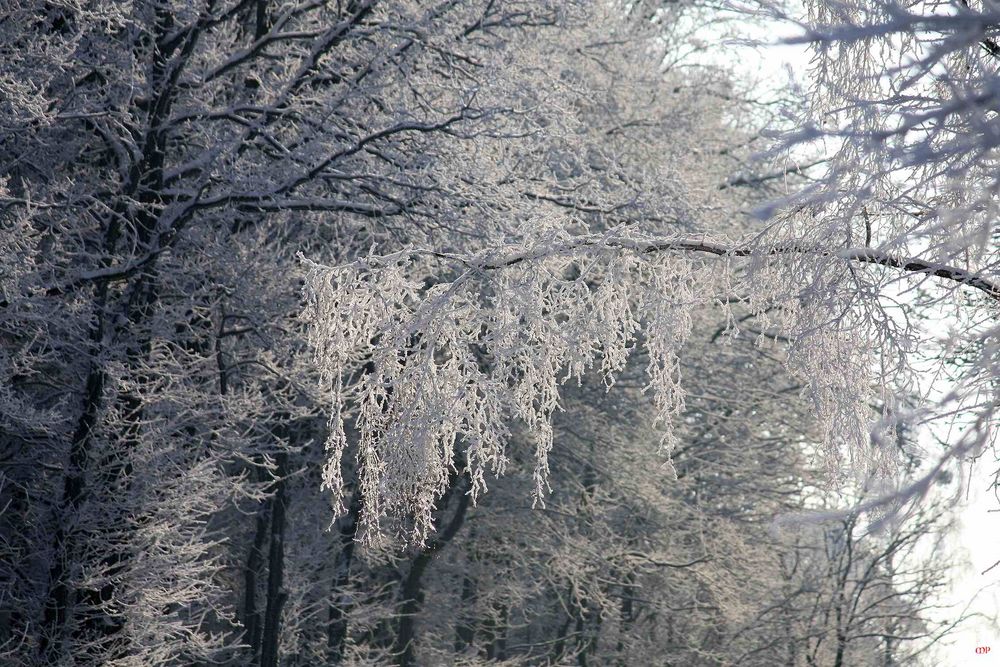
(498, 258)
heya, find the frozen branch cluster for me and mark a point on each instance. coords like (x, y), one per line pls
(450, 362)
(904, 98)
(456, 361)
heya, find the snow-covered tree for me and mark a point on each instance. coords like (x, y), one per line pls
(556, 298)
(162, 162)
(496, 201)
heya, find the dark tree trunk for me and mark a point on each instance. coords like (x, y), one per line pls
(337, 632)
(559, 647)
(61, 596)
(465, 631)
(275, 568)
(251, 578)
(627, 613)
(412, 588)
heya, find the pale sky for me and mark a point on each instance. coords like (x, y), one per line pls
(978, 544)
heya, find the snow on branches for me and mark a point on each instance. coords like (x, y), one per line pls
(451, 363)
(434, 367)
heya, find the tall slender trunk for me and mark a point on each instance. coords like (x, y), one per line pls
(276, 595)
(465, 630)
(588, 635)
(62, 597)
(559, 646)
(337, 631)
(627, 615)
(412, 588)
(251, 578)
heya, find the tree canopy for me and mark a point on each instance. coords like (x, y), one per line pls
(488, 332)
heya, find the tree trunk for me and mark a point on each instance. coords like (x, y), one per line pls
(144, 184)
(412, 589)
(497, 649)
(251, 577)
(61, 597)
(465, 631)
(275, 568)
(337, 632)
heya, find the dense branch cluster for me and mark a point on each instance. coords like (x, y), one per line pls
(453, 363)
(465, 244)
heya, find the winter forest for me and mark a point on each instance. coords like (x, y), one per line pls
(496, 332)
